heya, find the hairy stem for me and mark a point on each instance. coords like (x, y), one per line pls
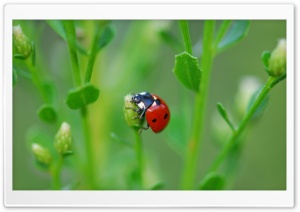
(193, 150)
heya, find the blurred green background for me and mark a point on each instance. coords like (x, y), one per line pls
(139, 60)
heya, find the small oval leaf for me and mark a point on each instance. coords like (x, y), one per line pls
(213, 181)
(187, 70)
(106, 37)
(82, 96)
(47, 113)
(265, 56)
(224, 115)
(237, 31)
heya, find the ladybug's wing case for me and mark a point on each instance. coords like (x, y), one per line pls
(158, 115)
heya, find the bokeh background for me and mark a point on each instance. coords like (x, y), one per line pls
(137, 60)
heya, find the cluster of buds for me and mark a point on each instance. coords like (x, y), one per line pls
(21, 44)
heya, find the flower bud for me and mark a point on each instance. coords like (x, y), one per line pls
(63, 139)
(41, 154)
(131, 117)
(21, 44)
(277, 60)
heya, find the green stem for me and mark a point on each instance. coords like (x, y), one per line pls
(88, 146)
(186, 36)
(71, 40)
(37, 80)
(56, 172)
(193, 150)
(139, 156)
(235, 135)
(92, 57)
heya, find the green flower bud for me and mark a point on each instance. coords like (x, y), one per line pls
(277, 60)
(21, 44)
(63, 139)
(41, 154)
(131, 117)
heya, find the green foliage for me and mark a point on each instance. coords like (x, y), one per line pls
(261, 108)
(237, 31)
(47, 113)
(265, 56)
(15, 77)
(58, 27)
(213, 181)
(106, 36)
(187, 71)
(82, 96)
(224, 115)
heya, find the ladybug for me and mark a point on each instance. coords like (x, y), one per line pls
(154, 108)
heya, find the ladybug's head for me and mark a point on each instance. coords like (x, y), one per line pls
(136, 98)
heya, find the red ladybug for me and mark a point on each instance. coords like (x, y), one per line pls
(154, 108)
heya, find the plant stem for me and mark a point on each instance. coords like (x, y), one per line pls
(139, 156)
(235, 135)
(193, 150)
(56, 171)
(36, 80)
(71, 39)
(186, 36)
(92, 57)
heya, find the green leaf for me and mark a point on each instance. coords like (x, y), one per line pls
(224, 115)
(157, 186)
(82, 96)
(58, 27)
(171, 40)
(68, 153)
(261, 108)
(237, 31)
(187, 70)
(19, 56)
(106, 36)
(15, 77)
(213, 181)
(265, 56)
(47, 113)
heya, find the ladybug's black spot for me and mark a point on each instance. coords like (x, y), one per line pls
(157, 101)
(154, 120)
(166, 116)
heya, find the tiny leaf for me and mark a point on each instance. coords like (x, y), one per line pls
(47, 113)
(106, 36)
(261, 108)
(187, 70)
(19, 56)
(213, 181)
(265, 59)
(82, 96)
(237, 31)
(224, 115)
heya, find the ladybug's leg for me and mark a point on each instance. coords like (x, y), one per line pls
(136, 110)
(143, 128)
(142, 114)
